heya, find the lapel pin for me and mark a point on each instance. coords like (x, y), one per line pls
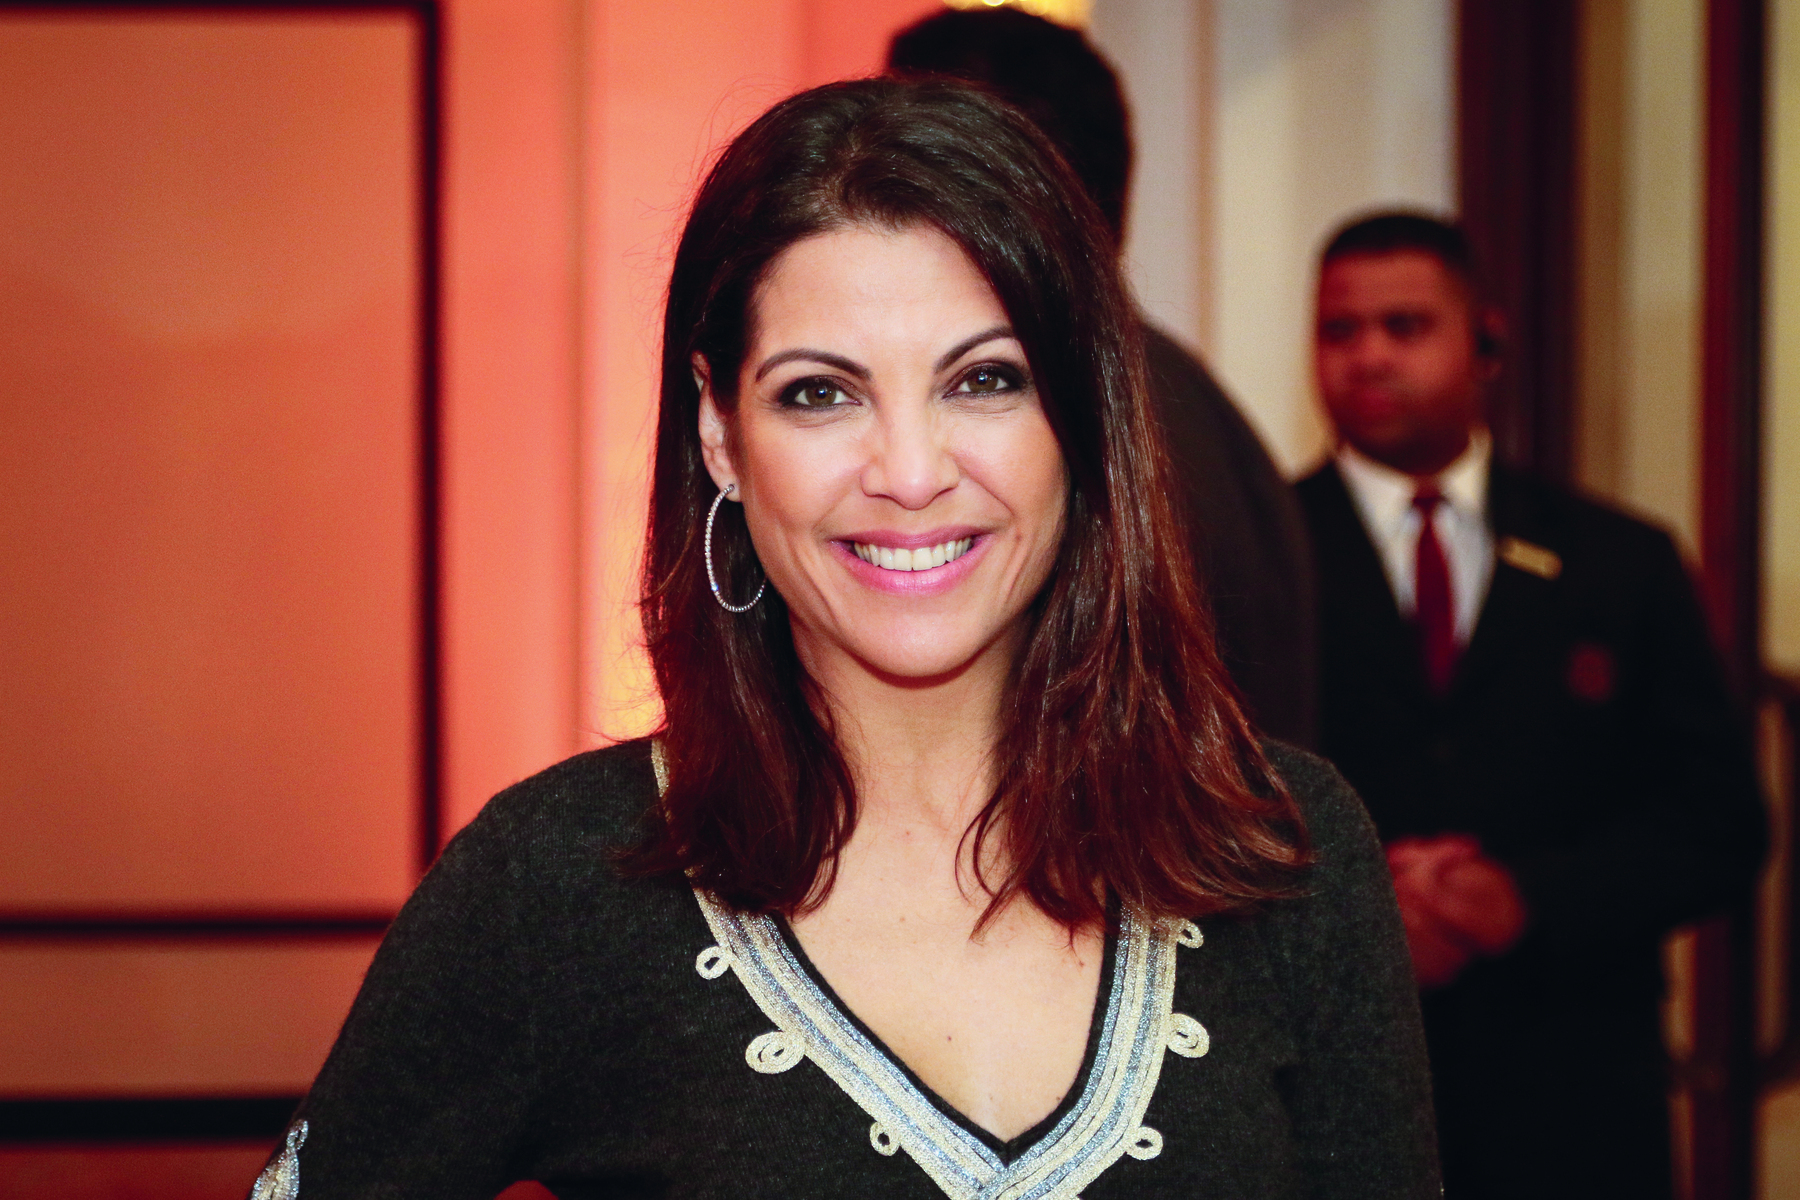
(1530, 557)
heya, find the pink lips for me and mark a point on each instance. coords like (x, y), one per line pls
(932, 582)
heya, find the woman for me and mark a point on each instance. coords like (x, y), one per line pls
(954, 833)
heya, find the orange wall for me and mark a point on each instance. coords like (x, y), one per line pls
(205, 275)
(208, 399)
(671, 83)
(207, 434)
(576, 134)
(205, 234)
(510, 385)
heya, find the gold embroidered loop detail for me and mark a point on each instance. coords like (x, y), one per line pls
(773, 1053)
(280, 1180)
(883, 1141)
(713, 962)
(1189, 935)
(1188, 1037)
(1145, 1143)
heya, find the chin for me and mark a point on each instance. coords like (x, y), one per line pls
(918, 655)
(1394, 449)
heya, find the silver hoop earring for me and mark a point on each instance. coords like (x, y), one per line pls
(725, 604)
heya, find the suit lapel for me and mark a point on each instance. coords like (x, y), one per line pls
(1356, 597)
(1515, 594)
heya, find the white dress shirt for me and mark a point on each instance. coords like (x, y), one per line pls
(1384, 500)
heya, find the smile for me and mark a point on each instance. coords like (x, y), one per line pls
(922, 559)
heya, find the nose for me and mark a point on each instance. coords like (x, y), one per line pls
(1371, 351)
(911, 462)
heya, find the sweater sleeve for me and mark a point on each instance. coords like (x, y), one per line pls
(1360, 1090)
(424, 1094)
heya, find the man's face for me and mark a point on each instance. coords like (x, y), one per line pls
(1395, 357)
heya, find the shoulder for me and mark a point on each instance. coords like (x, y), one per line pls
(537, 873)
(1322, 489)
(1520, 496)
(1338, 827)
(581, 810)
(1591, 537)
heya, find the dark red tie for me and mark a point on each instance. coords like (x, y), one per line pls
(1433, 611)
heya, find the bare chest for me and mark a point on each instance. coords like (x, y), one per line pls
(996, 1023)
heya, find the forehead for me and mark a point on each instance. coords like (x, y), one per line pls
(1398, 279)
(869, 279)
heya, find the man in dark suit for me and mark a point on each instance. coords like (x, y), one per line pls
(1520, 684)
(1245, 529)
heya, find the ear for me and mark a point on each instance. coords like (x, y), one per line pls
(715, 431)
(1490, 341)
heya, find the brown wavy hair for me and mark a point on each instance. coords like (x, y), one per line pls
(1125, 764)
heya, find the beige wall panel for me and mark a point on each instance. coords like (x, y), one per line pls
(1781, 427)
(172, 1019)
(1638, 416)
(1779, 1164)
(1321, 109)
(1664, 161)
(207, 415)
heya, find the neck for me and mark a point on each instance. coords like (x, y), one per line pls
(920, 751)
(1422, 462)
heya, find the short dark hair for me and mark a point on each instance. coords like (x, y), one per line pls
(1391, 232)
(1125, 765)
(1052, 72)
(1394, 231)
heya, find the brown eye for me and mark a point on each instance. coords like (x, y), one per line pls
(813, 393)
(1404, 325)
(987, 380)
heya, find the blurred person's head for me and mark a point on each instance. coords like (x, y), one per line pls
(1051, 72)
(1404, 345)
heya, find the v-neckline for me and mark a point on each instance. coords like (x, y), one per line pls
(1098, 1121)
(1007, 1150)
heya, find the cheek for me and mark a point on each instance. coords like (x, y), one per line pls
(1024, 469)
(1333, 371)
(1446, 372)
(788, 480)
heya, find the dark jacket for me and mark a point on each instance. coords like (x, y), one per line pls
(1248, 538)
(1589, 741)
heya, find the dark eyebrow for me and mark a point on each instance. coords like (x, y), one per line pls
(861, 372)
(968, 344)
(818, 356)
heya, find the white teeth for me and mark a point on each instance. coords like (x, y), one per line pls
(922, 559)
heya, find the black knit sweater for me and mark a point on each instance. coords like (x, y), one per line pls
(533, 1015)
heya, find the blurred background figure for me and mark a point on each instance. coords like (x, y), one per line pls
(1520, 684)
(1243, 525)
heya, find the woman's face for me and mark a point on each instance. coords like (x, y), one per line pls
(902, 486)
